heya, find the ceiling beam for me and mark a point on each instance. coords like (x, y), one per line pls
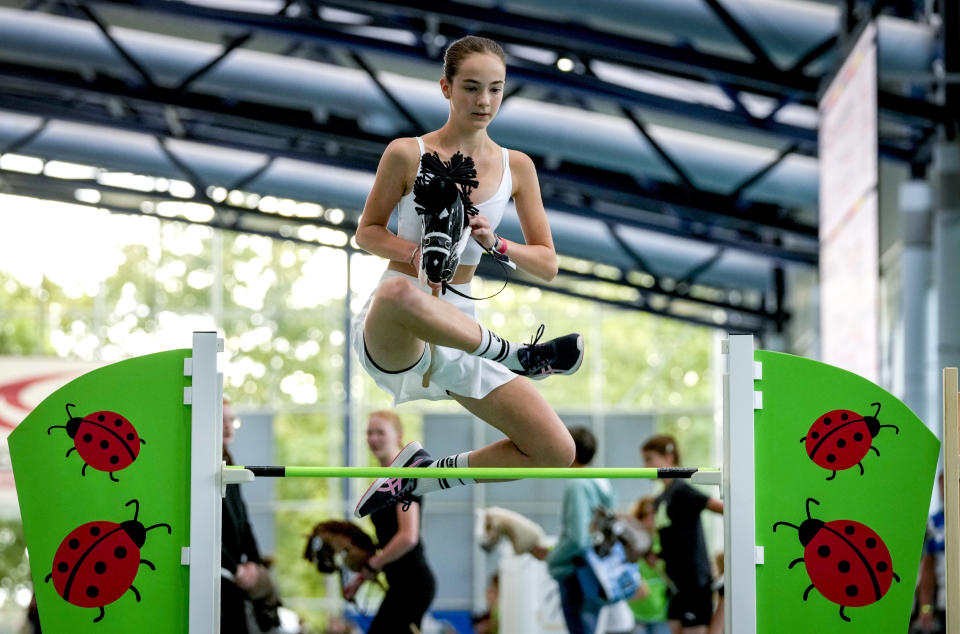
(705, 216)
(584, 42)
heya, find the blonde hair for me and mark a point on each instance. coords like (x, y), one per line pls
(463, 48)
(391, 417)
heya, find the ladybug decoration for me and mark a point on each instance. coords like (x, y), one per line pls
(841, 438)
(105, 440)
(98, 561)
(847, 561)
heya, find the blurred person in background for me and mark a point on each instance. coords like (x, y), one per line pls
(410, 582)
(649, 605)
(31, 622)
(931, 584)
(682, 543)
(248, 598)
(580, 499)
(489, 621)
(717, 622)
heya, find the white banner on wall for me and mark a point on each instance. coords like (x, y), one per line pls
(849, 208)
(850, 292)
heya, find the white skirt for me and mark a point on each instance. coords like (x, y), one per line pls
(452, 370)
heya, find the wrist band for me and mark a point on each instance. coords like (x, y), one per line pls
(500, 246)
(926, 608)
(413, 256)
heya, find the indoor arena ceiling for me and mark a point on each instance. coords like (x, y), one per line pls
(675, 139)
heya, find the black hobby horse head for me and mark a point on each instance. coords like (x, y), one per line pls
(442, 194)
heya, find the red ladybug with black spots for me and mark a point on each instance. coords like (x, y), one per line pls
(847, 561)
(98, 561)
(841, 438)
(105, 440)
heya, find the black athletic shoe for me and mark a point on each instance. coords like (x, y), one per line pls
(386, 491)
(562, 355)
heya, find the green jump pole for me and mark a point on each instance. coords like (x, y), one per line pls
(478, 473)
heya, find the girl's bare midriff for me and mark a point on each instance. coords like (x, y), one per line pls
(462, 275)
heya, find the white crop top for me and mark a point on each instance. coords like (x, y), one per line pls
(408, 223)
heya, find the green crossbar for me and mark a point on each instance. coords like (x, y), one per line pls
(477, 473)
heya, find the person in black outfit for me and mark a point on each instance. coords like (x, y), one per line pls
(243, 576)
(682, 545)
(410, 582)
(32, 625)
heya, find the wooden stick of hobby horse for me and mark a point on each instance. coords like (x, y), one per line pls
(951, 495)
(426, 375)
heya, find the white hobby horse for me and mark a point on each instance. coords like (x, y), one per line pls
(495, 523)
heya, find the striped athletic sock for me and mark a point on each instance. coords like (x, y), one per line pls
(426, 485)
(497, 349)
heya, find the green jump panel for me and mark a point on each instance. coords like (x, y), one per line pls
(863, 464)
(79, 464)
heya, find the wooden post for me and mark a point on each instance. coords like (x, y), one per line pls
(951, 495)
(206, 455)
(741, 555)
(426, 375)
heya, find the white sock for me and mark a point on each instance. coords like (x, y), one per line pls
(426, 485)
(497, 349)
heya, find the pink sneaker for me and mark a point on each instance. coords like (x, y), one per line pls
(386, 491)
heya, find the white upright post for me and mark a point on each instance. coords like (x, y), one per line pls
(951, 484)
(205, 397)
(739, 516)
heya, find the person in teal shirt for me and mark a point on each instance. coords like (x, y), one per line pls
(580, 498)
(649, 605)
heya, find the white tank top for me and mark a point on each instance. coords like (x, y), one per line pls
(408, 223)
